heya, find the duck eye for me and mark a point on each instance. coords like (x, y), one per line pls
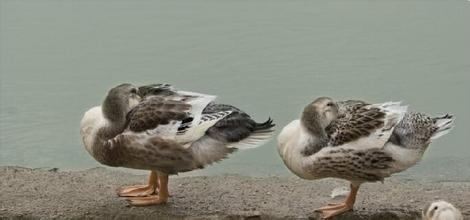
(329, 104)
(435, 208)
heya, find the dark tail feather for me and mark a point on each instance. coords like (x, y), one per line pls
(265, 126)
(261, 134)
(443, 125)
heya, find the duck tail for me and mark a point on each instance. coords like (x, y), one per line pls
(261, 134)
(443, 125)
(265, 126)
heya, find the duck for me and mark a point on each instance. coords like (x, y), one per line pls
(356, 141)
(441, 210)
(165, 131)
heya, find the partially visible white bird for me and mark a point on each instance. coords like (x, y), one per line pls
(441, 210)
(356, 141)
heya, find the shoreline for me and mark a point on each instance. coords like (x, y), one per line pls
(50, 193)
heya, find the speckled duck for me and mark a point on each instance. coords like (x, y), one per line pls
(166, 131)
(356, 141)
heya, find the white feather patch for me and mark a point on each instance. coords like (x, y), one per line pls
(444, 127)
(341, 191)
(198, 102)
(168, 131)
(254, 140)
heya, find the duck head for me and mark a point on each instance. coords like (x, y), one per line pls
(119, 101)
(319, 114)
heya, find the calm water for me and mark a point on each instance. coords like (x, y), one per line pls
(270, 58)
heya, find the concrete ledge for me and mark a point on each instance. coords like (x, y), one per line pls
(44, 194)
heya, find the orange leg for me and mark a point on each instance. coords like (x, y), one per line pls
(141, 190)
(161, 198)
(336, 209)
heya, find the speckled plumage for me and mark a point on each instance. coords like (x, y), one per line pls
(355, 120)
(356, 141)
(154, 154)
(362, 142)
(416, 130)
(353, 165)
(168, 130)
(155, 111)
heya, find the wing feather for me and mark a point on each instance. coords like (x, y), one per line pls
(358, 120)
(172, 114)
(156, 111)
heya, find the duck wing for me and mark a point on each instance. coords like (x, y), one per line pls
(364, 125)
(175, 115)
(417, 130)
(238, 129)
(156, 89)
(160, 130)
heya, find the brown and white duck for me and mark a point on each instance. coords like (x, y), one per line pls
(166, 131)
(356, 141)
